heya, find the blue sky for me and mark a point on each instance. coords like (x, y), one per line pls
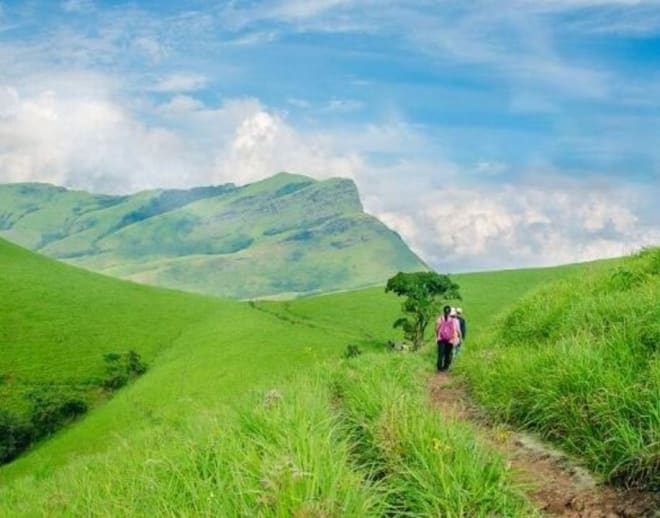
(489, 134)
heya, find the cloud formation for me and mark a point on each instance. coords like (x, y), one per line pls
(533, 176)
(472, 228)
(455, 224)
(180, 83)
(92, 143)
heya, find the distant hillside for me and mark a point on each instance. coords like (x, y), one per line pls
(286, 235)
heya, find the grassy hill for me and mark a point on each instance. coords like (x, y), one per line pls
(579, 362)
(57, 323)
(246, 407)
(286, 235)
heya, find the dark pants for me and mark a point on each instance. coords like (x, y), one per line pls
(445, 350)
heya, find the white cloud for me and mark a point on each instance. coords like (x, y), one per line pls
(77, 5)
(514, 39)
(8, 102)
(92, 143)
(91, 140)
(181, 82)
(254, 38)
(581, 4)
(264, 143)
(150, 47)
(180, 105)
(298, 103)
(490, 168)
(460, 228)
(304, 9)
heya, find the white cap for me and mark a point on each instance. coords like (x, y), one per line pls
(452, 313)
(459, 311)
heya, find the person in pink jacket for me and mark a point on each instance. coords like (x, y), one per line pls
(448, 335)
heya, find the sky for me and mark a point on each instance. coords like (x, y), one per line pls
(489, 134)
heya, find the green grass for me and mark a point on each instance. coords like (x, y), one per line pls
(59, 321)
(56, 322)
(354, 439)
(370, 312)
(579, 363)
(191, 437)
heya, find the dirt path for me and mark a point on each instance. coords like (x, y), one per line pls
(556, 484)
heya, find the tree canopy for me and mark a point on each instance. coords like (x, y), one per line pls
(424, 292)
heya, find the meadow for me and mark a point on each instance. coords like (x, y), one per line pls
(250, 407)
(58, 322)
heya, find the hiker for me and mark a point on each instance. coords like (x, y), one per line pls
(463, 327)
(448, 334)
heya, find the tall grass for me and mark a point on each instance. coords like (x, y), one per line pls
(579, 362)
(358, 439)
(431, 466)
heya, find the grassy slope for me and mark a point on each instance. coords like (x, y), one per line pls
(579, 362)
(58, 321)
(286, 234)
(233, 349)
(371, 312)
(206, 339)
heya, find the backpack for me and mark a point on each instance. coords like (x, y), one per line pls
(447, 329)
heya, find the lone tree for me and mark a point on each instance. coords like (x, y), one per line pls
(424, 292)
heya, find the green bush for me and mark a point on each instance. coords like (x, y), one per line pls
(51, 408)
(15, 436)
(352, 351)
(122, 368)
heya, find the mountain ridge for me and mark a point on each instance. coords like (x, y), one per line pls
(286, 234)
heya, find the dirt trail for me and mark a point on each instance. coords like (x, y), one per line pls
(556, 484)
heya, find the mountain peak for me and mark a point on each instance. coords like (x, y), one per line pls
(285, 235)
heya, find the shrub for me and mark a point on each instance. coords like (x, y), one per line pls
(15, 436)
(122, 368)
(352, 351)
(134, 364)
(49, 408)
(423, 292)
(52, 408)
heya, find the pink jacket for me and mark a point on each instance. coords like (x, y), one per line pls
(457, 330)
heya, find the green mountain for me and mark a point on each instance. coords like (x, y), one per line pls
(286, 235)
